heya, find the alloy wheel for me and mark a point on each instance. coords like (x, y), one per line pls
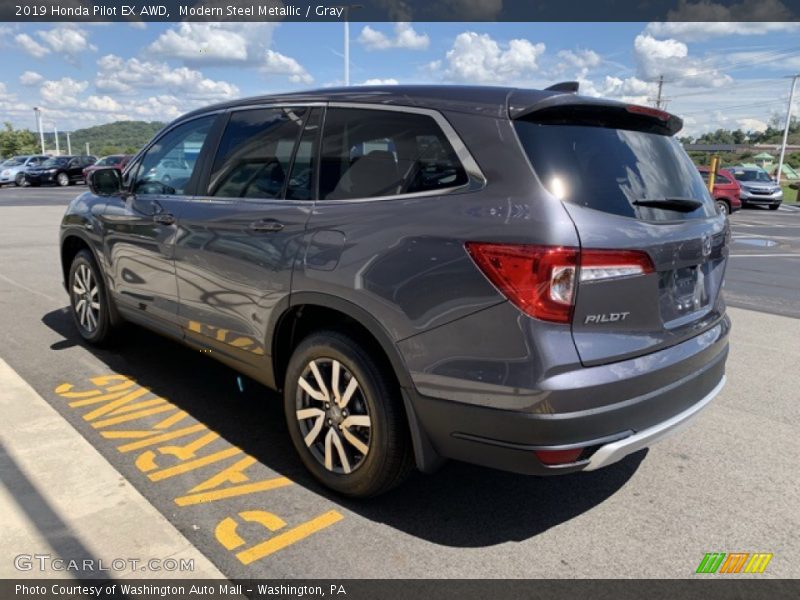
(85, 298)
(63, 179)
(333, 415)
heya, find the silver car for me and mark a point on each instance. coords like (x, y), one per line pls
(13, 170)
(757, 187)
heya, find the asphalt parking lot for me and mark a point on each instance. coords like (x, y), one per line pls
(212, 454)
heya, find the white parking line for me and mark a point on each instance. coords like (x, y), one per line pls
(776, 255)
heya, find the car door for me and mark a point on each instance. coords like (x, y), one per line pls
(74, 169)
(238, 242)
(140, 227)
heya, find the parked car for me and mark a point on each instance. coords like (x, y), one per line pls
(424, 272)
(61, 170)
(117, 161)
(13, 170)
(726, 190)
(758, 188)
(170, 169)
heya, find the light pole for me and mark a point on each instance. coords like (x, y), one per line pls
(347, 8)
(55, 133)
(786, 128)
(69, 145)
(38, 112)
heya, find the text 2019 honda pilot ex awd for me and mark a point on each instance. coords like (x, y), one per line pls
(529, 280)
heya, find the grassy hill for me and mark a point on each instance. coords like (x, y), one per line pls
(111, 138)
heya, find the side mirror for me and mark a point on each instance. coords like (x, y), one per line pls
(105, 182)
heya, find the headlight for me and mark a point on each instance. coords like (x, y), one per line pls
(6, 173)
(52, 170)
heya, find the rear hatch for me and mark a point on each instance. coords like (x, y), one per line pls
(635, 195)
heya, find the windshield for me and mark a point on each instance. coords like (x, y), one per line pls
(751, 175)
(54, 162)
(613, 169)
(109, 161)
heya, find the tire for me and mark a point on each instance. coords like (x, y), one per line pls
(19, 180)
(723, 207)
(62, 179)
(373, 453)
(774, 206)
(85, 284)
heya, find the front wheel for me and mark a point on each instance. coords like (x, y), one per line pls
(723, 208)
(62, 179)
(88, 299)
(774, 206)
(19, 180)
(345, 416)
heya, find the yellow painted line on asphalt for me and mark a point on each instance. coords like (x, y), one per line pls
(117, 399)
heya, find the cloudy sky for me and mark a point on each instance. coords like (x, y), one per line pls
(716, 74)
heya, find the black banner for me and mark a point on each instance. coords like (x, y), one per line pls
(703, 588)
(398, 10)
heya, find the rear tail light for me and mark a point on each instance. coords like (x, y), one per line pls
(541, 280)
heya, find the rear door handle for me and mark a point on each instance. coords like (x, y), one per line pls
(266, 226)
(164, 219)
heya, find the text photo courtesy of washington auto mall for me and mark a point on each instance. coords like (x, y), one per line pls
(396, 299)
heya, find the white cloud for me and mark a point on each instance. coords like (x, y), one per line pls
(703, 30)
(67, 40)
(63, 92)
(119, 76)
(671, 59)
(276, 63)
(477, 58)
(581, 61)
(749, 124)
(214, 43)
(378, 81)
(30, 78)
(404, 37)
(31, 46)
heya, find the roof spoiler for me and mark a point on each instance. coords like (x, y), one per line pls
(568, 109)
(568, 87)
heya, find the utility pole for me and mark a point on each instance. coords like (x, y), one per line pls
(660, 88)
(87, 149)
(69, 145)
(55, 132)
(347, 8)
(38, 112)
(786, 128)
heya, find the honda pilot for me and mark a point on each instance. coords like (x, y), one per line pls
(523, 279)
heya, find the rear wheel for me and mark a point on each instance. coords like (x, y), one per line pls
(723, 207)
(88, 299)
(345, 416)
(62, 179)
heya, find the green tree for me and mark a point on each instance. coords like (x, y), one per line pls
(16, 141)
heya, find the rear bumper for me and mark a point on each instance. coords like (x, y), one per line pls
(508, 439)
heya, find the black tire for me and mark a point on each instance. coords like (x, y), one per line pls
(723, 207)
(99, 329)
(774, 206)
(388, 458)
(19, 180)
(62, 179)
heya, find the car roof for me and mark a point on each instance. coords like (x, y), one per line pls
(486, 100)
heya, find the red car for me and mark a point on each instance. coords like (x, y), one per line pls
(726, 190)
(118, 161)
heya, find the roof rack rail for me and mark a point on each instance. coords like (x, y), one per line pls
(569, 87)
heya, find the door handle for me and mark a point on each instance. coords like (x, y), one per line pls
(164, 219)
(266, 226)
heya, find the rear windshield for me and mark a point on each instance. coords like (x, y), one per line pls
(610, 169)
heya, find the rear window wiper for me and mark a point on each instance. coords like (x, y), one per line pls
(676, 204)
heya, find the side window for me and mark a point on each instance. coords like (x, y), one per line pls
(255, 152)
(167, 166)
(721, 179)
(370, 153)
(301, 178)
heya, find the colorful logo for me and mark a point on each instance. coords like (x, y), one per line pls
(736, 562)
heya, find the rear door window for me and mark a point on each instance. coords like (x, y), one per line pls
(255, 153)
(610, 169)
(369, 153)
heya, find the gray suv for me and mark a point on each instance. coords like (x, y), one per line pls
(528, 280)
